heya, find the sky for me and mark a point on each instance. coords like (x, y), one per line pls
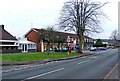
(19, 16)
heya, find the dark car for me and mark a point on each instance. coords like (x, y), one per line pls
(77, 46)
(60, 49)
(101, 48)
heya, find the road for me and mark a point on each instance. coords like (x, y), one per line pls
(88, 67)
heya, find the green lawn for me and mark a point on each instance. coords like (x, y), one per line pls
(33, 56)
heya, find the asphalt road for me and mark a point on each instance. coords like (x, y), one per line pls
(87, 67)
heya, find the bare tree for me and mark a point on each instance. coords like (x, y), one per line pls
(47, 35)
(114, 35)
(81, 16)
(50, 35)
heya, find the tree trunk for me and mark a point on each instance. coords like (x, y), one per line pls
(80, 44)
(59, 47)
(48, 47)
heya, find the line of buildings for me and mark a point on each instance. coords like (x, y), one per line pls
(31, 43)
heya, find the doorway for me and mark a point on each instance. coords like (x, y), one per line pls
(24, 48)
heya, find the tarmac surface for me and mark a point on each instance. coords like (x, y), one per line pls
(89, 59)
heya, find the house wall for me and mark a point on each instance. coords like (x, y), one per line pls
(8, 43)
(29, 50)
(30, 47)
(0, 49)
(9, 49)
(8, 46)
(32, 36)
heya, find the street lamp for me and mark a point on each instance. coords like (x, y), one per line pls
(68, 41)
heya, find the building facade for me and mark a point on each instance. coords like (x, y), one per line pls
(26, 46)
(66, 39)
(8, 43)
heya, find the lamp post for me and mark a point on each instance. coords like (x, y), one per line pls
(68, 41)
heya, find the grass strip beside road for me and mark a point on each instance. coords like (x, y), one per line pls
(19, 57)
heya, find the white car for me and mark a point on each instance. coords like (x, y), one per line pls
(93, 48)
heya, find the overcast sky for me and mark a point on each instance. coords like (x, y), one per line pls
(19, 16)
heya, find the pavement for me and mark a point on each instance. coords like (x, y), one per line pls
(113, 74)
(95, 66)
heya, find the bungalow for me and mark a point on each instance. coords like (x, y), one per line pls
(32, 35)
(26, 46)
(8, 43)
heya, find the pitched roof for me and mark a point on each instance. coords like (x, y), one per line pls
(5, 35)
(25, 41)
(60, 33)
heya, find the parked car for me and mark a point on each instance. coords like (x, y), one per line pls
(101, 48)
(93, 48)
(64, 50)
(110, 47)
(57, 49)
(50, 49)
(60, 49)
(77, 46)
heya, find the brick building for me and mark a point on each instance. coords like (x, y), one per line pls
(32, 35)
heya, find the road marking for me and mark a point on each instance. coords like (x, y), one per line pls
(47, 63)
(111, 71)
(59, 61)
(93, 57)
(44, 74)
(41, 64)
(17, 69)
(82, 62)
(25, 67)
(51, 62)
(7, 70)
(90, 57)
(84, 57)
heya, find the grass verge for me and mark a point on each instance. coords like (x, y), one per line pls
(18, 57)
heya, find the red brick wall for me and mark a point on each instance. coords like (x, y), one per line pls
(32, 36)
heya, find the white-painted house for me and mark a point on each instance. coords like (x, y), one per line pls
(26, 46)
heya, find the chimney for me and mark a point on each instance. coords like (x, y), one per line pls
(2, 26)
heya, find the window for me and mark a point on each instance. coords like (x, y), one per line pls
(84, 40)
(31, 46)
(35, 46)
(20, 46)
(9, 48)
(88, 40)
(91, 40)
(0, 43)
(28, 46)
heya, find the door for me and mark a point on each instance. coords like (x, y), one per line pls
(24, 48)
